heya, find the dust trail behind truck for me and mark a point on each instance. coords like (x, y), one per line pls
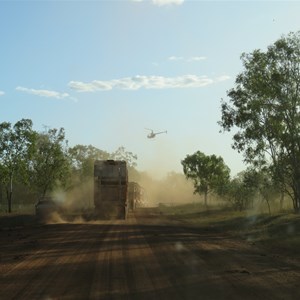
(110, 189)
(134, 196)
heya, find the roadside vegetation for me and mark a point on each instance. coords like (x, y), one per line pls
(38, 164)
(278, 232)
(263, 111)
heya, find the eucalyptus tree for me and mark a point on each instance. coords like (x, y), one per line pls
(16, 146)
(208, 173)
(122, 154)
(50, 165)
(131, 159)
(262, 183)
(264, 108)
(83, 158)
(239, 194)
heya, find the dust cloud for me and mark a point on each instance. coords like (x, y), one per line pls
(55, 218)
(160, 185)
(74, 205)
(77, 198)
(160, 157)
(77, 205)
(171, 190)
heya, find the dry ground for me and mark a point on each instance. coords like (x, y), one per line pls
(147, 256)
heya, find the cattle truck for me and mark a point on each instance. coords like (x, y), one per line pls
(110, 189)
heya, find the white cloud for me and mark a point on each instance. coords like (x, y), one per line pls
(147, 82)
(167, 2)
(174, 58)
(189, 59)
(44, 93)
(163, 2)
(222, 78)
(1, 93)
(196, 58)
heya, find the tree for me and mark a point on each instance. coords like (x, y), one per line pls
(50, 165)
(261, 182)
(15, 150)
(209, 173)
(122, 154)
(130, 158)
(238, 193)
(264, 106)
(83, 158)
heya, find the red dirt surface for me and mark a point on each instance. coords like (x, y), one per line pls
(144, 257)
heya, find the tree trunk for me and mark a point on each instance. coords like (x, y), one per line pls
(297, 196)
(9, 202)
(205, 199)
(297, 202)
(281, 199)
(268, 203)
(1, 195)
(9, 195)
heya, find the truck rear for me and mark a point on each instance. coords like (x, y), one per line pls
(110, 189)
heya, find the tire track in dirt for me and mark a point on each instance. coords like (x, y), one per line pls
(51, 270)
(148, 279)
(127, 267)
(73, 275)
(104, 274)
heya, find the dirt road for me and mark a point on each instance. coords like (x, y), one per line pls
(144, 257)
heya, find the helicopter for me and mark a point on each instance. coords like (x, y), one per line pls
(152, 134)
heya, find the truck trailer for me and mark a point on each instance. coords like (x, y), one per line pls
(110, 189)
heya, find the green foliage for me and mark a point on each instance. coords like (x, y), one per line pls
(122, 154)
(15, 150)
(250, 186)
(208, 173)
(50, 164)
(239, 193)
(44, 161)
(264, 106)
(130, 158)
(83, 158)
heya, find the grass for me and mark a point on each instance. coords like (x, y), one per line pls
(22, 215)
(280, 231)
(16, 220)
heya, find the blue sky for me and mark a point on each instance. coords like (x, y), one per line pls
(106, 70)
